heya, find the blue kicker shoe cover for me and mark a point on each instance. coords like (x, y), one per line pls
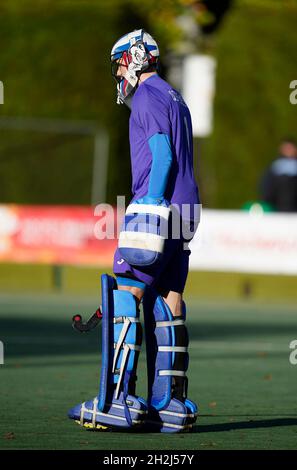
(177, 417)
(116, 404)
(165, 412)
(114, 414)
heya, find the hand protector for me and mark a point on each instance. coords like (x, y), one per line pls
(144, 231)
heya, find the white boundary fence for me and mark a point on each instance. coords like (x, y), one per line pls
(245, 242)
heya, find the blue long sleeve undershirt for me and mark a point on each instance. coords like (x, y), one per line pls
(161, 164)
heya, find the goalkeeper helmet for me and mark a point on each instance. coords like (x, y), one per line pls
(132, 54)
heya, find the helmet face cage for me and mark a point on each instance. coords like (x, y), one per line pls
(114, 71)
(127, 82)
(116, 64)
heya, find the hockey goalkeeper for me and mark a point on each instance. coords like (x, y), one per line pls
(152, 258)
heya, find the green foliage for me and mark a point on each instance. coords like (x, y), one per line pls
(54, 63)
(255, 50)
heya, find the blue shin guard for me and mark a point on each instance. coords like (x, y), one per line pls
(169, 409)
(116, 404)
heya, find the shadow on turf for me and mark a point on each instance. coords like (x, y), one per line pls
(251, 424)
(45, 336)
(221, 427)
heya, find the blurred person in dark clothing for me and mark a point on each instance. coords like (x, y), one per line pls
(278, 185)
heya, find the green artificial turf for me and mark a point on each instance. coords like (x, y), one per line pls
(239, 374)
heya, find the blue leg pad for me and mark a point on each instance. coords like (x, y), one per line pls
(116, 404)
(169, 409)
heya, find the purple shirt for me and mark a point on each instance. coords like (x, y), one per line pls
(158, 108)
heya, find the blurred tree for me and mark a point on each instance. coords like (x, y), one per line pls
(256, 52)
(214, 12)
(54, 63)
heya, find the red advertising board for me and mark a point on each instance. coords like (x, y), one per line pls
(55, 234)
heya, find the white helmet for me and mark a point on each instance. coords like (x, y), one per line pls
(138, 51)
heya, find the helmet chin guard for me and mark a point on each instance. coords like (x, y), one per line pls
(135, 52)
(126, 87)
